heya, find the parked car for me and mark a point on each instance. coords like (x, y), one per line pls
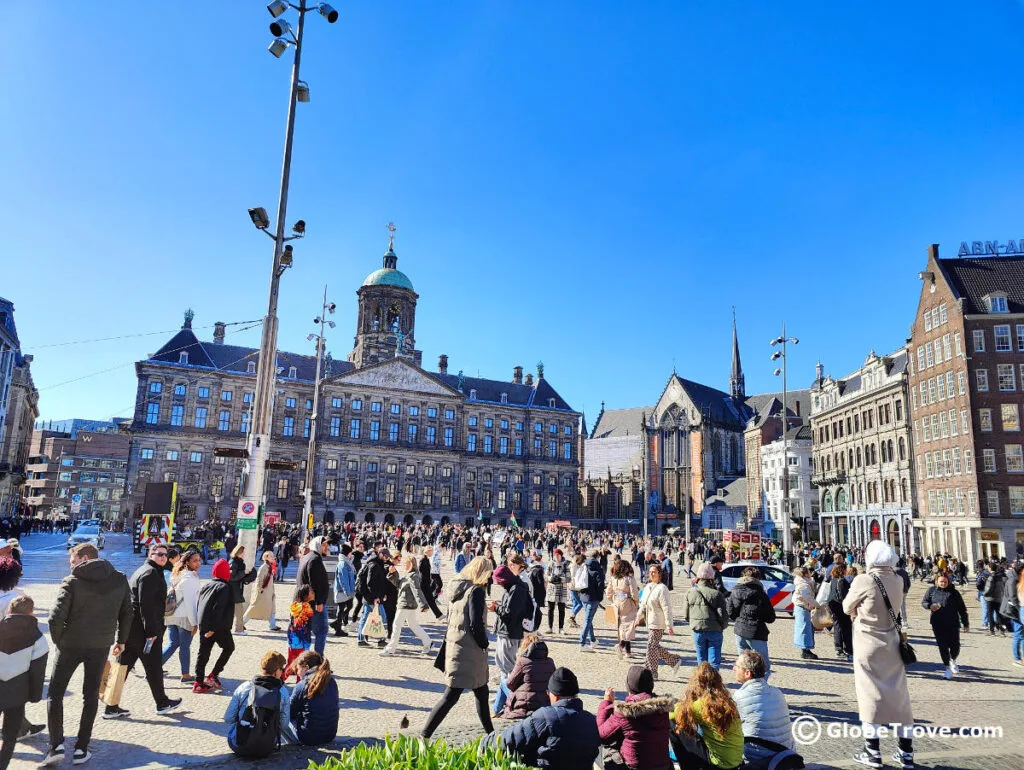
(87, 531)
(777, 581)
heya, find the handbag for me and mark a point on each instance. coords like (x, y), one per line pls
(907, 653)
(821, 618)
(439, 659)
(375, 628)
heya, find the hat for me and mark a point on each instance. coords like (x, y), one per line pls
(559, 552)
(639, 679)
(717, 560)
(705, 572)
(563, 683)
(504, 577)
(221, 570)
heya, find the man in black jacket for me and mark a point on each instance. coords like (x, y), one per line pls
(371, 587)
(425, 581)
(313, 573)
(149, 597)
(216, 614)
(93, 612)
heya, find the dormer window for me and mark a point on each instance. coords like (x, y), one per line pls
(251, 368)
(183, 358)
(292, 372)
(997, 303)
(551, 403)
(504, 398)
(472, 394)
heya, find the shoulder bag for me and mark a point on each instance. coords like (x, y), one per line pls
(906, 651)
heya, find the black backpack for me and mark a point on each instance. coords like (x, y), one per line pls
(259, 728)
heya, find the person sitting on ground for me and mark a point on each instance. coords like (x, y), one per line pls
(709, 733)
(313, 708)
(764, 715)
(249, 735)
(561, 736)
(528, 680)
(25, 651)
(635, 732)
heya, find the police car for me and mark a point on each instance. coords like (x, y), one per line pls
(87, 531)
(777, 581)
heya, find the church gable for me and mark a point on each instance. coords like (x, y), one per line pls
(674, 402)
(396, 374)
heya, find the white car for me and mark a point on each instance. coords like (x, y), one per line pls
(777, 581)
(87, 531)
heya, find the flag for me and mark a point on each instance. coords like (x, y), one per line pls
(479, 515)
(512, 521)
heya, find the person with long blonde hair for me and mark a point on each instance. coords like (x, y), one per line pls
(708, 707)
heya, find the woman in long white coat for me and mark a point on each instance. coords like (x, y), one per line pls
(880, 676)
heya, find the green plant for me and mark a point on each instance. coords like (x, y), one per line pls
(409, 753)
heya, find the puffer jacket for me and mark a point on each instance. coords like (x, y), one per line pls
(514, 607)
(656, 604)
(410, 596)
(315, 720)
(23, 654)
(93, 609)
(562, 736)
(750, 609)
(993, 591)
(528, 681)
(705, 609)
(639, 728)
(764, 713)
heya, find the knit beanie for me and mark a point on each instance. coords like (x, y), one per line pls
(639, 679)
(221, 570)
(563, 683)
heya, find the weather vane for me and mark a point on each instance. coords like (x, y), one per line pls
(391, 226)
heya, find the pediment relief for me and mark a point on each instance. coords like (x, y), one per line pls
(396, 375)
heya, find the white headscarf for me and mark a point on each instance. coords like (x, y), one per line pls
(315, 543)
(880, 554)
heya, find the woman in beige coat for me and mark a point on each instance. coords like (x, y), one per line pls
(261, 602)
(880, 676)
(624, 599)
(657, 610)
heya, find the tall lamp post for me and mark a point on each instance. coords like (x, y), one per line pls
(307, 493)
(787, 525)
(251, 500)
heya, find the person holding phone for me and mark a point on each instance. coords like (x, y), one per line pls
(947, 613)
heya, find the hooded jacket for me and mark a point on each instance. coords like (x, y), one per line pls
(515, 605)
(750, 609)
(562, 736)
(313, 572)
(705, 609)
(149, 597)
(371, 582)
(639, 727)
(216, 604)
(528, 681)
(315, 719)
(410, 595)
(93, 609)
(23, 654)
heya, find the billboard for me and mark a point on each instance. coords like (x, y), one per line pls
(160, 497)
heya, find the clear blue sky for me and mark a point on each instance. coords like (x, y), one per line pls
(591, 184)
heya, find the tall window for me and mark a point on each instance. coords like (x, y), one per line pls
(567, 450)
(350, 490)
(471, 442)
(1014, 459)
(353, 429)
(393, 431)
(413, 433)
(1011, 417)
(389, 492)
(985, 420)
(988, 458)
(200, 421)
(978, 336)
(1002, 333)
(431, 434)
(282, 489)
(375, 430)
(1017, 500)
(519, 447)
(488, 444)
(225, 395)
(245, 422)
(224, 420)
(1006, 376)
(177, 414)
(503, 445)
(331, 489)
(156, 387)
(289, 426)
(992, 502)
(407, 493)
(335, 428)
(449, 436)
(152, 411)
(981, 376)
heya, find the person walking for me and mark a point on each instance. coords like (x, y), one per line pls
(344, 589)
(216, 612)
(512, 611)
(947, 613)
(313, 573)
(803, 604)
(992, 594)
(538, 590)
(183, 620)
(558, 577)
(425, 567)
(708, 616)
(262, 603)
(623, 596)
(25, 651)
(879, 674)
(842, 626)
(91, 618)
(145, 638)
(465, 646)
(371, 588)
(656, 608)
(591, 593)
(240, 578)
(410, 600)
(751, 611)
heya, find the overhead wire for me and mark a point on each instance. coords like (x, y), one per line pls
(129, 336)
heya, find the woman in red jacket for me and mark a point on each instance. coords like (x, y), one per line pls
(635, 732)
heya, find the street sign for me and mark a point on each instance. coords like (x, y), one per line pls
(76, 498)
(248, 516)
(246, 523)
(272, 517)
(76, 505)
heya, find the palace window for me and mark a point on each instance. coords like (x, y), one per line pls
(177, 414)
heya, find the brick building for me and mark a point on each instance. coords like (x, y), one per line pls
(966, 377)
(395, 443)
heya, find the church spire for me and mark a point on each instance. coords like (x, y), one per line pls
(736, 384)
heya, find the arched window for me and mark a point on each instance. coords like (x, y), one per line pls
(841, 504)
(828, 463)
(903, 487)
(826, 502)
(858, 457)
(850, 464)
(889, 442)
(903, 449)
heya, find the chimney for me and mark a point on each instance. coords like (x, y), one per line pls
(796, 408)
(442, 364)
(517, 375)
(218, 332)
(529, 379)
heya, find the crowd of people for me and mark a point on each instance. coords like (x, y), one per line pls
(553, 584)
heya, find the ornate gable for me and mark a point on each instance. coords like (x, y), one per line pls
(396, 374)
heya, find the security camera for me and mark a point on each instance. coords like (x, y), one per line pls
(331, 308)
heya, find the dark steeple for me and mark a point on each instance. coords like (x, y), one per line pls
(736, 384)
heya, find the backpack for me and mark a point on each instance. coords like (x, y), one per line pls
(782, 759)
(595, 582)
(259, 728)
(172, 602)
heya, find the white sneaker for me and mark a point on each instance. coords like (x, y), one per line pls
(948, 674)
(675, 667)
(385, 653)
(954, 667)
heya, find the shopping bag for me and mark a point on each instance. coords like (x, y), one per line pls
(375, 628)
(611, 616)
(821, 618)
(111, 693)
(105, 675)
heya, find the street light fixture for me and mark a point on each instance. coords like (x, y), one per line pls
(253, 490)
(302, 93)
(328, 12)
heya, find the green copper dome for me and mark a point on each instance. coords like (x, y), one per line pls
(387, 276)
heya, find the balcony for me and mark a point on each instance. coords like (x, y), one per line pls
(828, 477)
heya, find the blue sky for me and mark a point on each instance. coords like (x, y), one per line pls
(591, 184)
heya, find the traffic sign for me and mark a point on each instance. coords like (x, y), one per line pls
(76, 498)
(246, 523)
(248, 508)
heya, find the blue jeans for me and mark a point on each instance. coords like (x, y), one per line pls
(708, 645)
(986, 613)
(206, 553)
(367, 607)
(1018, 635)
(577, 603)
(181, 640)
(501, 695)
(318, 628)
(758, 646)
(587, 633)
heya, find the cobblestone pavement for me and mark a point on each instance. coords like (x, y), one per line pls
(377, 693)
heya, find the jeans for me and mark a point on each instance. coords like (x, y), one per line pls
(708, 645)
(587, 632)
(65, 664)
(366, 613)
(577, 604)
(181, 640)
(1018, 635)
(986, 611)
(318, 627)
(206, 553)
(758, 646)
(501, 695)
